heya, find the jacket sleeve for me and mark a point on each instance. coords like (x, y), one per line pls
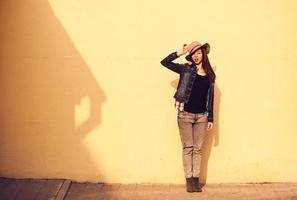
(211, 102)
(167, 62)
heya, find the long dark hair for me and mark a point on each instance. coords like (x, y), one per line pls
(207, 66)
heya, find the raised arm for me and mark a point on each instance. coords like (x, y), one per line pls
(167, 61)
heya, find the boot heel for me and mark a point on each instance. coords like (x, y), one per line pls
(196, 185)
(189, 184)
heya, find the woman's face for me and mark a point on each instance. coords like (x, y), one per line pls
(197, 56)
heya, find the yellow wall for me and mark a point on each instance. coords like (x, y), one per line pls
(84, 96)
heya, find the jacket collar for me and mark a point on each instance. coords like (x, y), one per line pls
(193, 66)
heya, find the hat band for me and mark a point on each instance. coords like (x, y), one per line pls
(194, 48)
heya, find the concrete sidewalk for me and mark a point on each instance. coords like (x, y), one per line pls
(65, 189)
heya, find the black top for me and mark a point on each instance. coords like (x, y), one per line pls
(197, 101)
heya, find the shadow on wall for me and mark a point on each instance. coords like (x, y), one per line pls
(44, 80)
(212, 138)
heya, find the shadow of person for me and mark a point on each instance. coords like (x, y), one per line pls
(212, 137)
(174, 83)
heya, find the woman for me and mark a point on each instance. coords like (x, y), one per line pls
(194, 100)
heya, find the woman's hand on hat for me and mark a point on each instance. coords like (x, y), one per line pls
(183, 51)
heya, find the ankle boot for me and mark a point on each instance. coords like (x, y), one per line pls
(196, 185)
(189, 184)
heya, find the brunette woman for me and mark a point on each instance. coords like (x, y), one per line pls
(194, 99)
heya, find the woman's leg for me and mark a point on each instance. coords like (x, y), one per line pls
(185, 123)
(199, 128)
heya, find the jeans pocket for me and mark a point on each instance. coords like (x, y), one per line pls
(203, 118)
(183, 114)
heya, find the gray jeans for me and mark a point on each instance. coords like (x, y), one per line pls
(192, 129)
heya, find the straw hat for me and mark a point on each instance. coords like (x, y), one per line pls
(192, 47)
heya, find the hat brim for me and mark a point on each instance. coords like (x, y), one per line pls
(206, 46)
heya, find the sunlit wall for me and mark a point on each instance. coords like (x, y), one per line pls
(84, 96)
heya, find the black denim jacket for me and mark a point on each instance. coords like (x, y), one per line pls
(187, 77)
